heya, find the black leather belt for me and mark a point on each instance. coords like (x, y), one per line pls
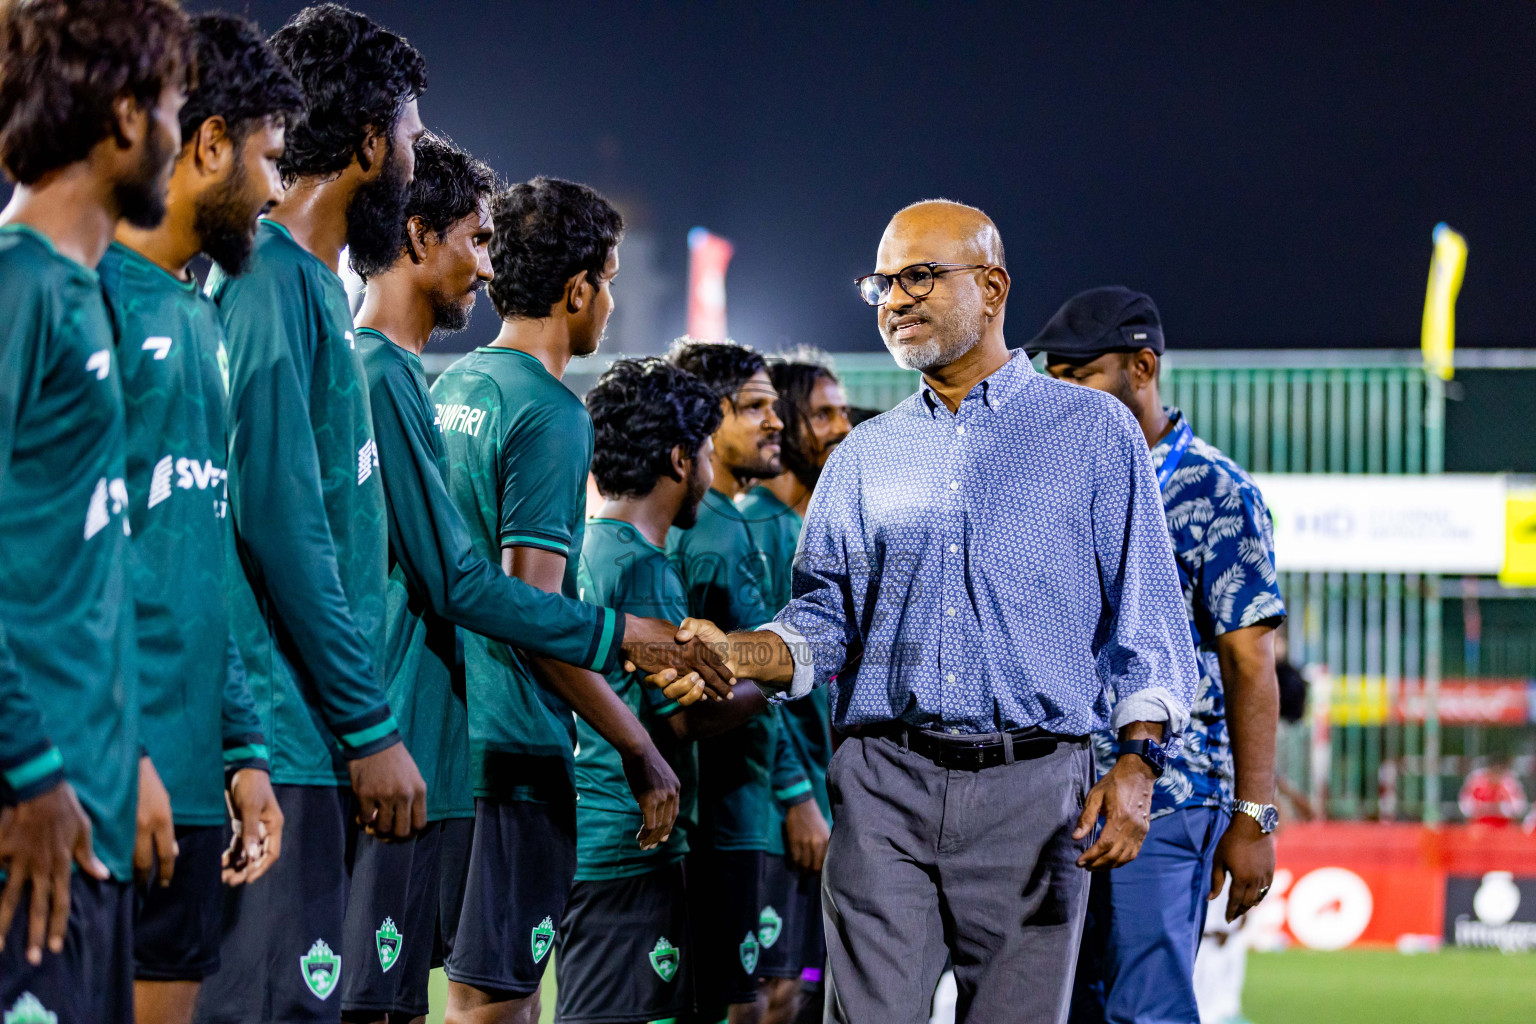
(974, 751)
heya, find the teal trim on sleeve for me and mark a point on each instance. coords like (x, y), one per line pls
(528, 540)
(249, 752)
(363, 737)
(28, 772)
(790, 792)
(671, 707)
(600, 659)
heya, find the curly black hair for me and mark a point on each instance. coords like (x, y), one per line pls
(239, 78)
(795, 375)
(545, 232)
(641, 409)
(64, 62)
(355, 75)
(722, 365)
(449, 185)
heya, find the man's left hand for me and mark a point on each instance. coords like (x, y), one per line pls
(1248, 855)
(154, 843)
(1124, 798)
(257, 822)
(805, 836)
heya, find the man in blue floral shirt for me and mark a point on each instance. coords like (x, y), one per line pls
(1212, 808)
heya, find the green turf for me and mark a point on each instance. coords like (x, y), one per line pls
(1385, 987)
(1351, 987)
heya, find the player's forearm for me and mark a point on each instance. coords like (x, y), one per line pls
(712, 717)
(29, 762)
(245, 744)
(590, 696)
(1253, 710)
(763, 656)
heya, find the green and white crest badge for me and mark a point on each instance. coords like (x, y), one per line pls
(321, 969)
(387, 940)
(30, 1010)
(664, 959)
(543, 939)
(769, 925)
(749, 951)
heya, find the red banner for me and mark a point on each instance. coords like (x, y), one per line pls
(708, 256)
(1471, 702)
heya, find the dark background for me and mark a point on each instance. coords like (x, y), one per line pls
(1269, 172)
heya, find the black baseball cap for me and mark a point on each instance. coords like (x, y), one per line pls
(1100, 320)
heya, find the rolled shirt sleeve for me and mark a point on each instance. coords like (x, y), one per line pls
(1147, 660)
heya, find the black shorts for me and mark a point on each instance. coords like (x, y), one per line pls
(91, 982)
(624, 956)
(521, 865)
(724, 902)
(394, 909)
(789, 925)
(281, 954)
(176, 929)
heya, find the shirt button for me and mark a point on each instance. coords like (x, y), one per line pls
(960, 429)
(950, 612)
(954, 485)
(953, 548)
(951, 677)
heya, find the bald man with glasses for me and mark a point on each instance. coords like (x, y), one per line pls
(984, 579)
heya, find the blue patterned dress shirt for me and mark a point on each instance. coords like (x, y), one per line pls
(1003, 566)
(1224, 543)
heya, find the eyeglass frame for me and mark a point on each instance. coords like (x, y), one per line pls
(895, 279)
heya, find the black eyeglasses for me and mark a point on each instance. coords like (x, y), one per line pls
(916, 280)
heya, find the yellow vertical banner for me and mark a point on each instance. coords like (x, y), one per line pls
(1446, 266)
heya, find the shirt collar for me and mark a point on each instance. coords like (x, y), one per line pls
(991, 391)
(1160, 450)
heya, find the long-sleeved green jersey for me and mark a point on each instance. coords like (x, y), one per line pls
(437, 580)
(307, 601)
(519, 448)
(68, 706)
(196, 713)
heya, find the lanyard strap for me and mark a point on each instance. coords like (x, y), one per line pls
(1176, 450)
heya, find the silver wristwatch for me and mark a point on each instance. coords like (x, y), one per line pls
(1267, 815)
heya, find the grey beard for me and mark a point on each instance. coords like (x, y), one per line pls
(933, 352)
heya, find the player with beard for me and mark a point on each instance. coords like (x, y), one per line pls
(198, 722)
(520, 447)
(405, 897)
(815, 415)
(625, 952)
(743, 772)
(308, 604)
(89, 95)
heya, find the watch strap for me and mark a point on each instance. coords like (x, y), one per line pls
(1264, 814)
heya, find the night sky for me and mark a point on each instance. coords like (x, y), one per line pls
(1269, 173)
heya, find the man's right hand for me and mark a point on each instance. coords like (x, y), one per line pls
(656, 790)
(655, 647)
(391, 795)
(39, 839)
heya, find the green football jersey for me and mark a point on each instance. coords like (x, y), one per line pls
(307, 601)
(807, 722)
(621, 569)
(437, 580)
(726, 578)
(69, 706)
(193, 703)
(519, 448)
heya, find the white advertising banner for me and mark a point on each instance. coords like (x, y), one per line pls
(1452, 523)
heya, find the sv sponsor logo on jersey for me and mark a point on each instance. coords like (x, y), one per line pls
(462, 419)
(110, 498)
(99, 363)
(367, 460)
(160, 346)
(189, 474)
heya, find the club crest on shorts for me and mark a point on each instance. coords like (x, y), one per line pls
(30, 1010)
(543, 939)
(321, 969)
(664, 959)
(769, 925)
(749, 951)
(387, 940)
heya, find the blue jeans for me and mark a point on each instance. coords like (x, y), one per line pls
(1137, 961)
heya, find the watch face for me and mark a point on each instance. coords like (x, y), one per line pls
(1157, 754)
(1269, 818)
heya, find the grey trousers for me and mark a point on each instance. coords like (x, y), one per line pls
(926, 861)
